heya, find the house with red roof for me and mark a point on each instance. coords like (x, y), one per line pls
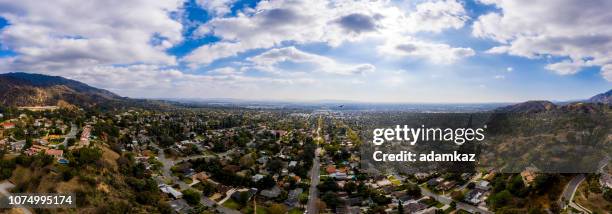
(56, 153)
(8, 125)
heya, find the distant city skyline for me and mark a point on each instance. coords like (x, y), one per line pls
(392, 51)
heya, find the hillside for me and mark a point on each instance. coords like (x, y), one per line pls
(596, 103)
(602, 98)
(26, 89)
(528, 107)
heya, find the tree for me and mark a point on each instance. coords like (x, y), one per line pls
(321, 205)
(331, 199)
(148, 197)
(500, 199)
(191, 196)
(275, 165)
(380, 199)
(328, 185)
(28, 143)
(207, 188)
(535, 210)
(471, 185)
(6, 168)
(413, 190)
(517, 187)
(499, 184)
(303, 198)
(400, 207)
(243, 197)
(555, 207)
(247, 161)
(87, 155)
(608, 194)
(457, 196)
(350, 187)
(164, 208)
(277, 209)
(266, 182)
(70, 142)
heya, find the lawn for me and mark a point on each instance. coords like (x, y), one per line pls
(230, 203)
(394, 181)
(260, 210)
(296, 211)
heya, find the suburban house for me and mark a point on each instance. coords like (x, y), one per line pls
(56, 153)
(8, 125)
(170, 191)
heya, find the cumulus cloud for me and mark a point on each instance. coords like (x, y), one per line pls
(270, 59)
(574, 29)
(216, 7)
(116, 45)
(153, 81)
(358, 23)
(272, 23)
(123, 45)
(51, 35)
(435, 52)
(225, 71)
(606, 72)
(437, 16)
(275, 22)
(566, 67)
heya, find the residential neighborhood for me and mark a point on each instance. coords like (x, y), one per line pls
(229, 161)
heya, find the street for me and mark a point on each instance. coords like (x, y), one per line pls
(70, 135)
(4, 187)
(183, 186)
(567, 196)
(314, 182)
(570, 189)
(315, 173)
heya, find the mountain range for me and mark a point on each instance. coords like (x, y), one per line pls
(605, 97)
(587, 105)
(27, 89)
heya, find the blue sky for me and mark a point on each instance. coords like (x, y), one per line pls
(373, 51)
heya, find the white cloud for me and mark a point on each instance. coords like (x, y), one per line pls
(606, 72)
(151, 81)
(51, 35)
(225, 71)
(216, 7)
(270, 59)
(208, 53)
(273, 23)
(566, 67)
(499, 77)
(267, 26)
(435, 52)
(578, 30)
(438, 15)
(121, 45)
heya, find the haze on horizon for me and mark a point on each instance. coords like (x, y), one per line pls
(392, 51)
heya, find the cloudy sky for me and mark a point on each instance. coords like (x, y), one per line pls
(377, 51)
